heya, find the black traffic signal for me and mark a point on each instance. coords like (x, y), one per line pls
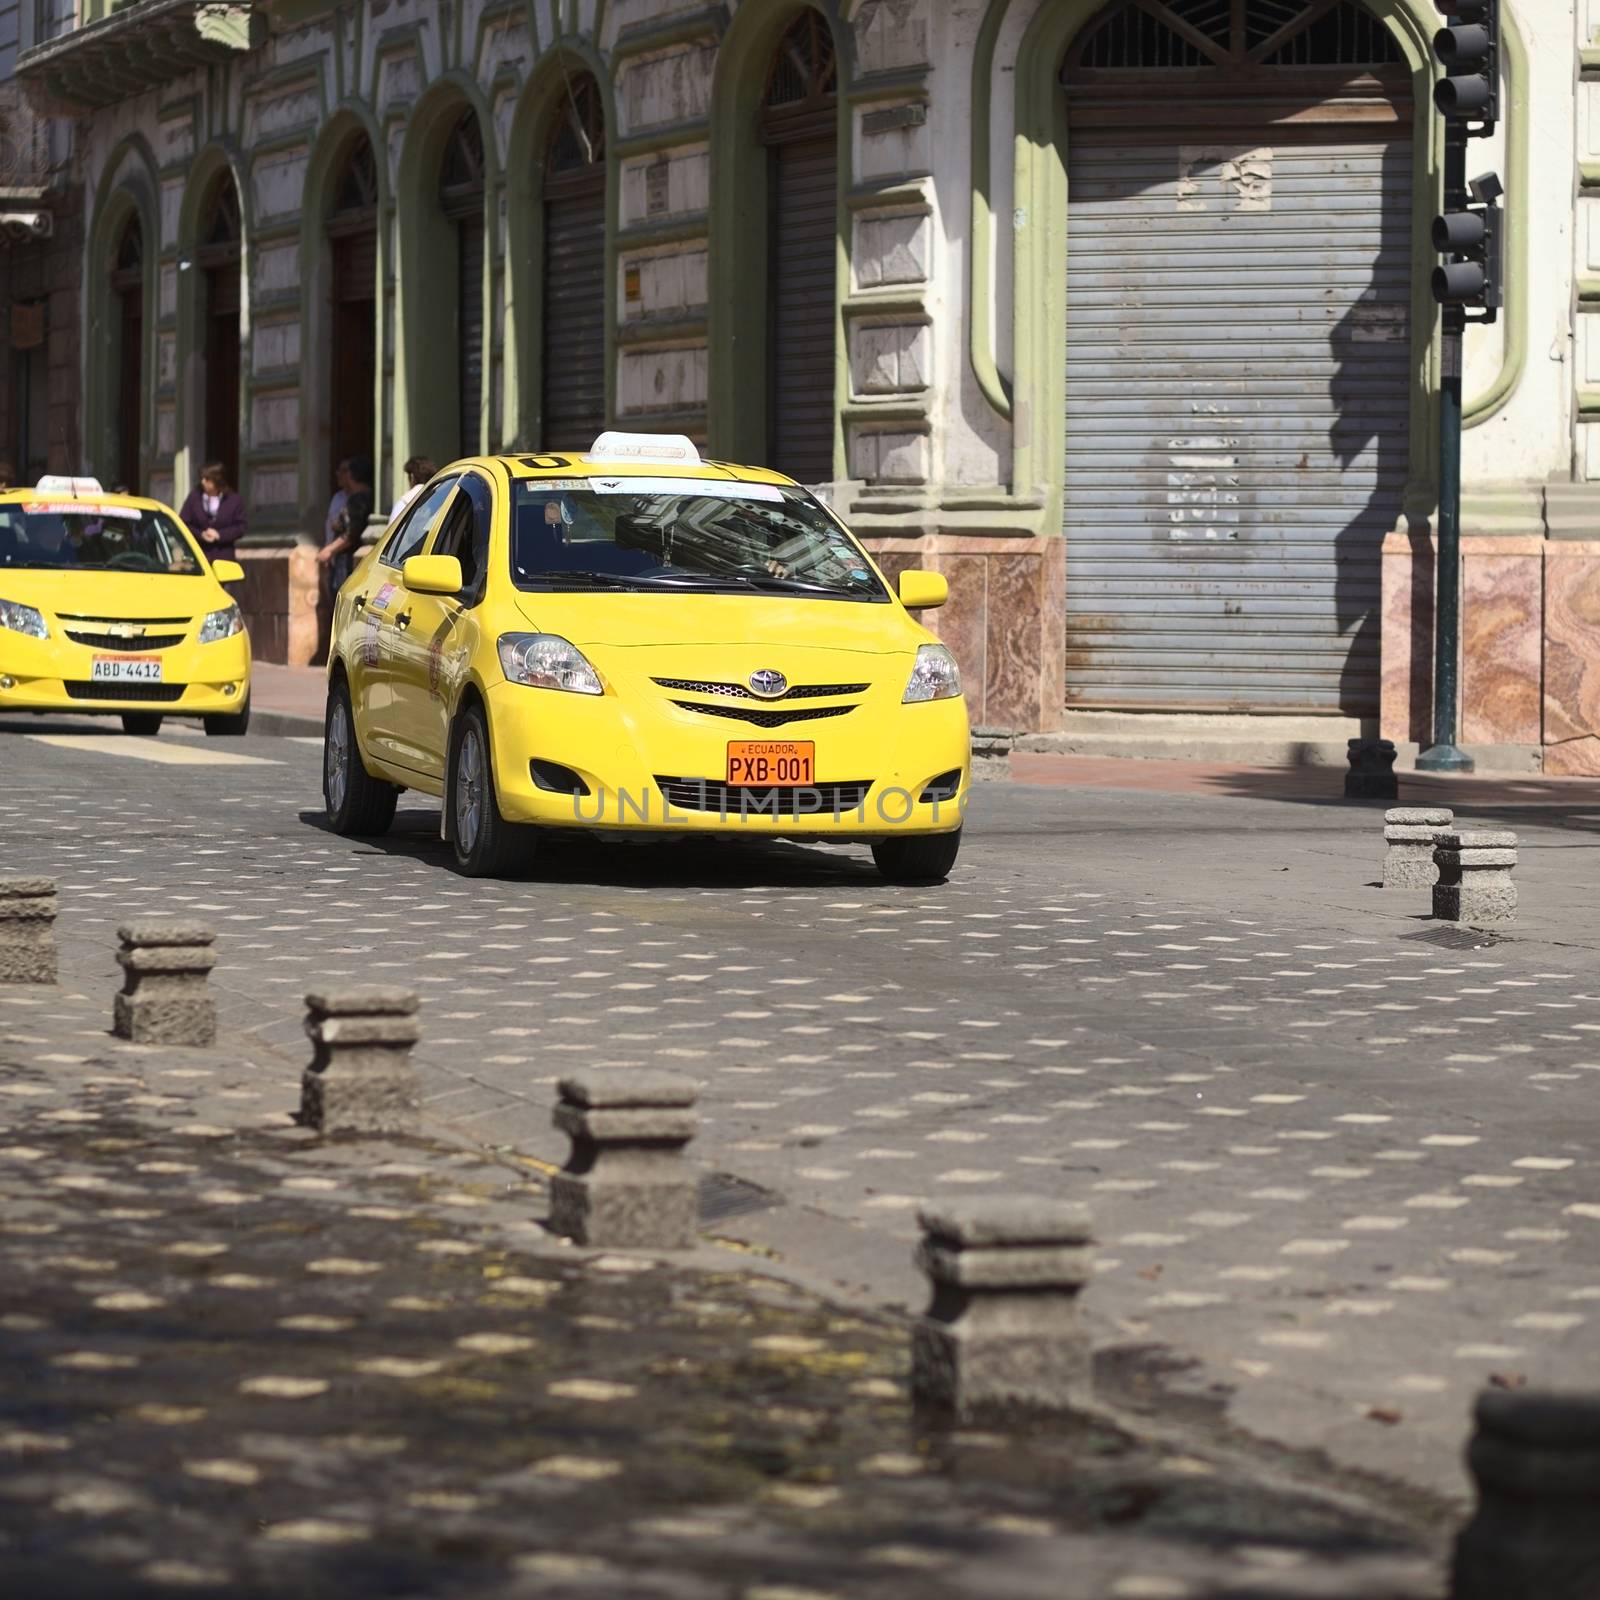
(1470, 240)
(1469, 51)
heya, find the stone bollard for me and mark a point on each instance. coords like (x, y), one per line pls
(360, 1079)
(27, 930)
(1536, 1532)
(1411, 833)
(1371, 775)
(626, 1183)
(1001, 1334)
(164, 998)
(1475, 877)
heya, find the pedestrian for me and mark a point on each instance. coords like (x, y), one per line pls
(340, 554)
(8, 476)
(418, 470)
(336, 501)
(214, 512)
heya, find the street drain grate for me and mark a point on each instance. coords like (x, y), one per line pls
(1455, 938)
(723, 1196)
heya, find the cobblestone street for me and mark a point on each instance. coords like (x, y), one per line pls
(1336, 1153)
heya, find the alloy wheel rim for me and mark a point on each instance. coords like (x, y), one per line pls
(338, 760)
(469, 790)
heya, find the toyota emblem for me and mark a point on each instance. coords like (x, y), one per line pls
(767, 683)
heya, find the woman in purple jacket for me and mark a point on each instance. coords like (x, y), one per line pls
(214, 513)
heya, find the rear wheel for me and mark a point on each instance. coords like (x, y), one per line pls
(222, 725)
(485, 844)
(357, 802)
(141, 722)
(926, 858)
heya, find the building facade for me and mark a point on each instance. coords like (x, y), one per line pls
(1116, 313)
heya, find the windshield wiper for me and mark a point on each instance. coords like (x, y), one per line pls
(767, 582)
(589, 580)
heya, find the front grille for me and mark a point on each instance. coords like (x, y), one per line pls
(776, 800)
(138, 622)
(125, 691)
(764, 719)
(738, 691)
(120, 641)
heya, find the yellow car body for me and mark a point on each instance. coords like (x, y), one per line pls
(115, 620)
(653, 750)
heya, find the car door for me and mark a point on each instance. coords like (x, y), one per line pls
(432, 633)
(368, 639)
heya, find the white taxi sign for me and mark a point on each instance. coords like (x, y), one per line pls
(55, 483)
(613, 445)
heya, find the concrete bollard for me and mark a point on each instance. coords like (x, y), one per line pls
(1001, 1334)
(27, 930)
(164, 999)
(1535, 1534)
(360, 1079)
(626, 1183)
(1371, 775)
(1411, 832)
(1475, 876)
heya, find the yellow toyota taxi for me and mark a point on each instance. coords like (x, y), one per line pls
(108, 605)
(637, 639)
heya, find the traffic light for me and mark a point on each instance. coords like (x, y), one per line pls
(1470, 239)
(1469, 50)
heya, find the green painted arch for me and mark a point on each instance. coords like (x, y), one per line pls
(348, 121)
(737, 401)
(129, 186)
(1039, 293)
(425, 277)
(524, 279)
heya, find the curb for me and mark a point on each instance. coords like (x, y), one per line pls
(284, 724)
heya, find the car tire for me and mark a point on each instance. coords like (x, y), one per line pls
(358, 804)
(222, 725)
(484, 843)
(927, 858)
(142, 722)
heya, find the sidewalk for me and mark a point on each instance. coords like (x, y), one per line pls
(287, 701)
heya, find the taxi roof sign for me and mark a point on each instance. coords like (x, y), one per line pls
(676, 448)
(54, 483)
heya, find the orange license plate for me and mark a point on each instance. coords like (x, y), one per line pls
(767, 761)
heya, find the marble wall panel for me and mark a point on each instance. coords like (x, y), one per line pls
(1012, 632)
(962, 623)
(1501, 644)
(1572, 662)
(1405, 710)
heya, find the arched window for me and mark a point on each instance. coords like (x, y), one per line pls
(572, 371)
(461, 201)
(352, 229)
(127, 287)
(218, 257)
(799, 124)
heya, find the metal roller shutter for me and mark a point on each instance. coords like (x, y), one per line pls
(803, 207)
(1238, 391)
(469, 331)
(573, 405)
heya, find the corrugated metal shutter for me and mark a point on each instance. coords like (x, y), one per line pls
(1238, 389)
(573, 405)
(469, 331)
(803, 205)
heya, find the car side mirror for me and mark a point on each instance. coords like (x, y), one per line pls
(432, 575)
(922, 591)
(227, 572)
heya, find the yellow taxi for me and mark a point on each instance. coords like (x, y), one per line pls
(107, 604)
(637, 639)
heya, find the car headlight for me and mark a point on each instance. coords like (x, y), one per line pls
(547, 661)
(23, 619)
(934, 677)
(222, 624)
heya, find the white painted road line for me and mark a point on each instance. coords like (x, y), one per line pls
(162, 753)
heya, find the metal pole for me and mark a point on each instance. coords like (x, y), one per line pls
(1444, 755)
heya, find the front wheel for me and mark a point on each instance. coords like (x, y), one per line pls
(485, 844)
(141, 722)
(226, 725)
(357, 802)
(927, 858)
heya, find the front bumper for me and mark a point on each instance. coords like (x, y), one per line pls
(55, 675)
(872, 768)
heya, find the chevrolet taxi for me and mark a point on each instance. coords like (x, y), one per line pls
(637, 639)
(108, 605)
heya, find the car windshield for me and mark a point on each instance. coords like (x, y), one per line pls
(670, 534)
(83, 536)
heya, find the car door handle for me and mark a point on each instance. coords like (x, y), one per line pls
(359, 603)
(403, 620)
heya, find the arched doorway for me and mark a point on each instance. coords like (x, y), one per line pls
(127, 291)
(573, 369)
(1239, 352)
(461, 202)
(352, 229)
(218, 258)
(799, 126)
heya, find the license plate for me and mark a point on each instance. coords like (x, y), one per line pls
(768, 761)
(126, 669)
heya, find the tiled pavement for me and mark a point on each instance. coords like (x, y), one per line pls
(1341, 1167)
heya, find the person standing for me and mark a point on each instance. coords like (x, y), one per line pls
(418, 470)
(339, 555)
(214, 513)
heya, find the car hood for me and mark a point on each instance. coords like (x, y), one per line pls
(135, 595)
(646, 620)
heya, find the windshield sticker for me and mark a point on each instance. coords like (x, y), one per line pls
(553, 485)
(688, 488)
(78, 508)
